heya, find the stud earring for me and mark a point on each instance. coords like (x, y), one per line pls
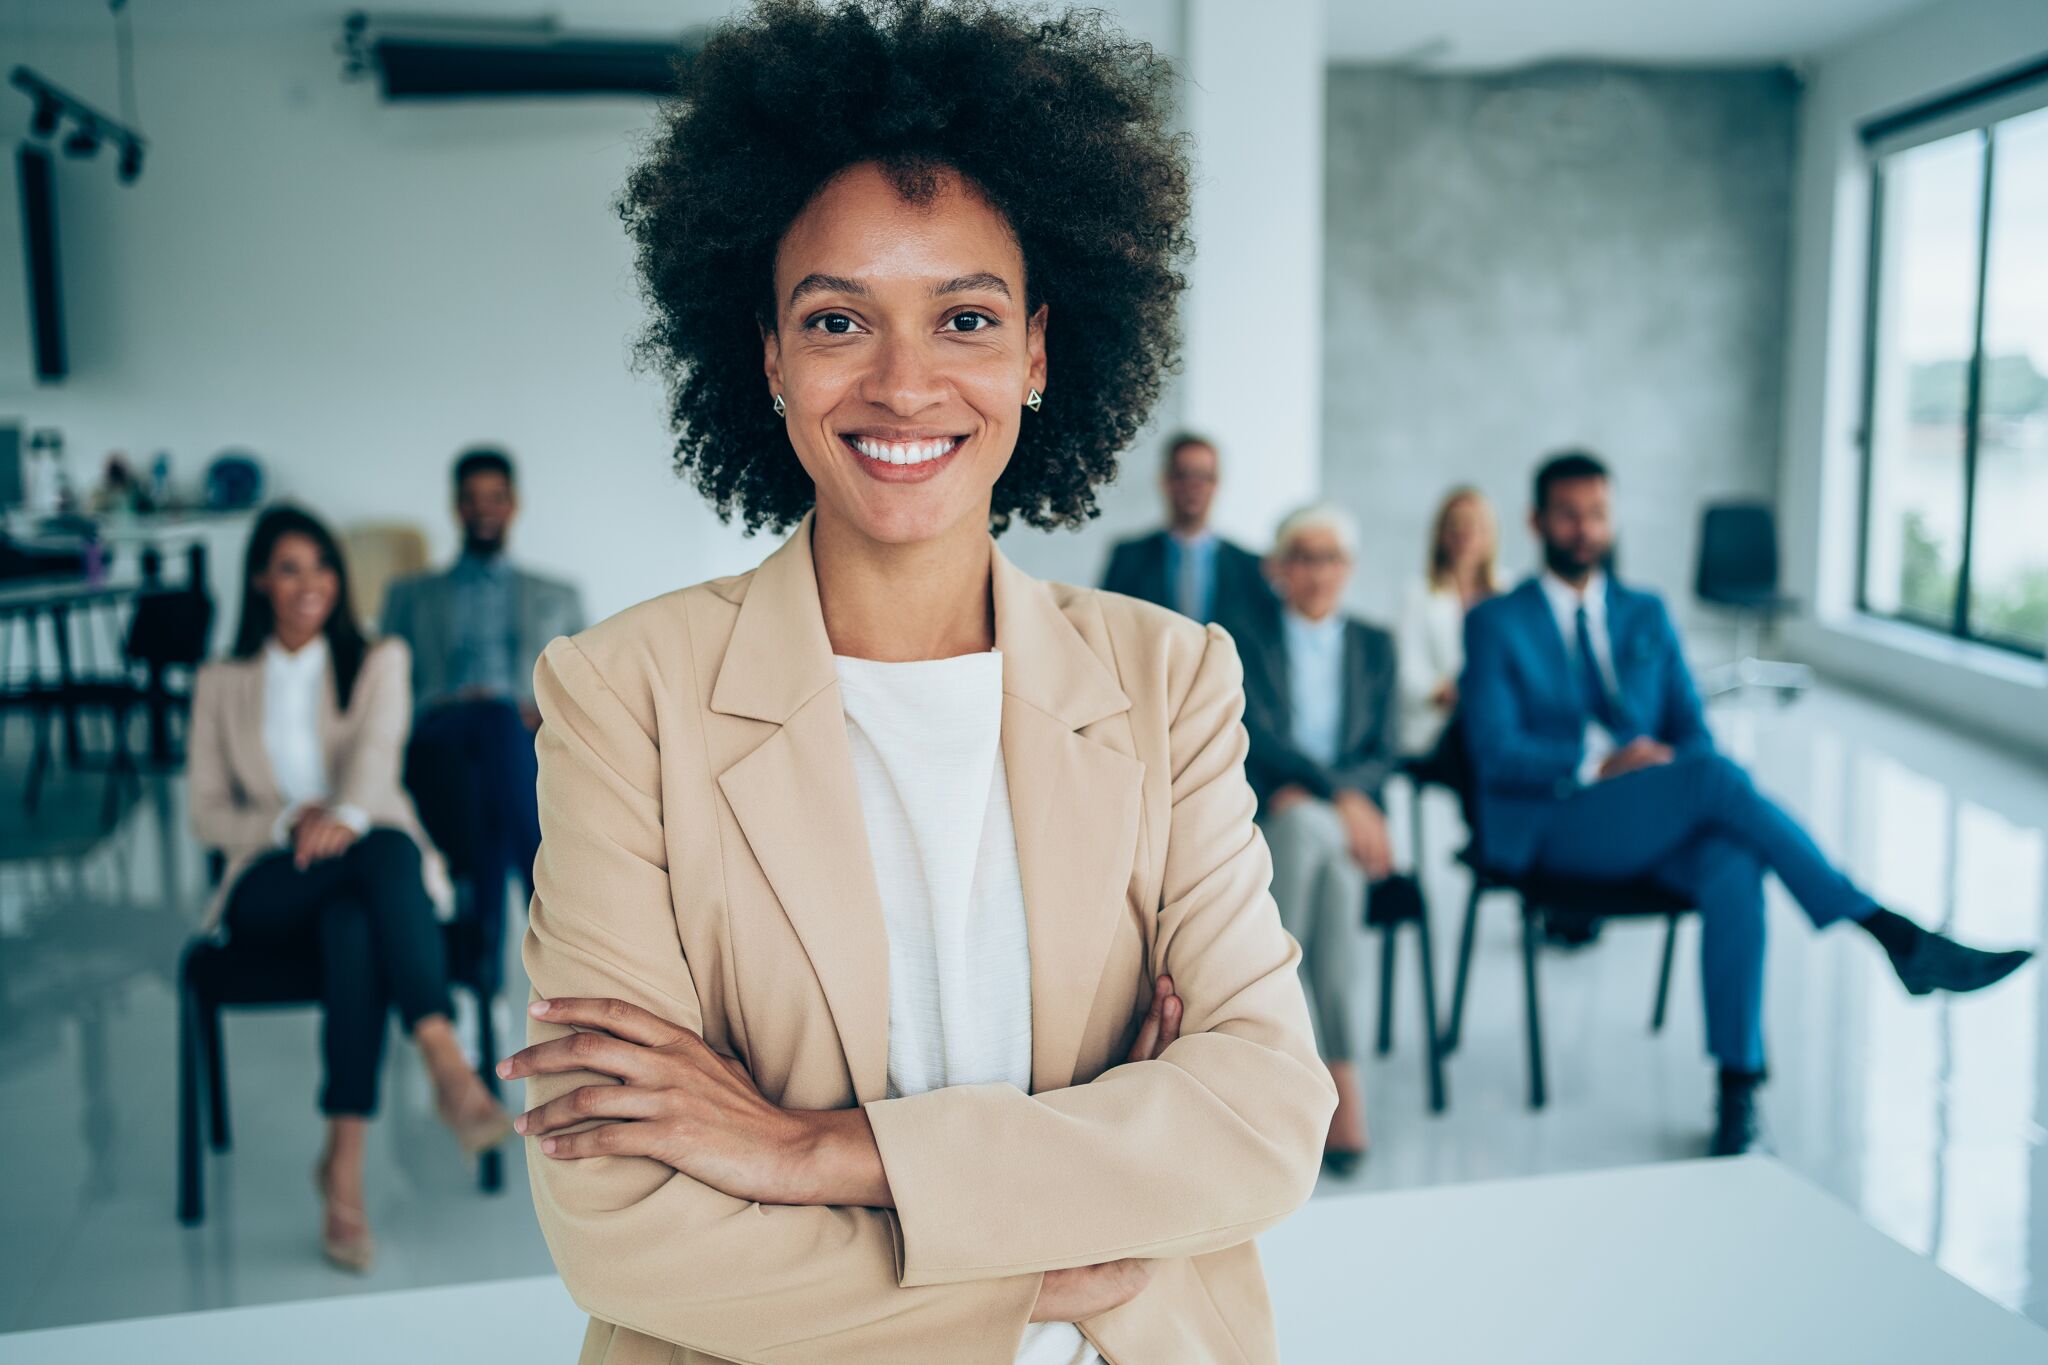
(781, 410)
(1034, 400)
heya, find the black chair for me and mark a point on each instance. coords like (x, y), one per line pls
(1389, 904)
(213, 976)
(1543, 900)
(1738, 571)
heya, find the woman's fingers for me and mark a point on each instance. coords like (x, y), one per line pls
(599, 1052)
(584, 1104)
(1162, 1023)
(616, 1017)
(1170, 1011)
(607, 1139)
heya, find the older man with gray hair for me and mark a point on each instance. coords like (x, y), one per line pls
(1319, 710)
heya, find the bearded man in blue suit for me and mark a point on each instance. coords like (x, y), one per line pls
(1593, 760)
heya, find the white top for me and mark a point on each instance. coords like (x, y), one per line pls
(1431, 650)
(294, 687)
(1565, 601)
(926, 740)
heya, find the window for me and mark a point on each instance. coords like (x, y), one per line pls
(1955, 506)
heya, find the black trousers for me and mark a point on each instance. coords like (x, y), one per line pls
(366, 917)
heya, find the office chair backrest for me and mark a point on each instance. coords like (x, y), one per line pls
(1738, 555)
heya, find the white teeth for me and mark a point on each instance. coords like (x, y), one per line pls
(902, 452)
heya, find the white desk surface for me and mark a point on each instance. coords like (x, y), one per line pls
(1719, 1263)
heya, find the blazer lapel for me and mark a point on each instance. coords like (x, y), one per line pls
(245, 735)
(796, 801)
(1074, 802)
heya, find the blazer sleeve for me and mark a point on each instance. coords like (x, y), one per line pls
(369, 772)
(1507, 754)
(636, 1242)
(1195, 1151)
(221, 819)
(1684, 723)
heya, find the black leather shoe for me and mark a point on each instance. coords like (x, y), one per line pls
(1341, 1163)
(1735, 1130)
(1936, 962)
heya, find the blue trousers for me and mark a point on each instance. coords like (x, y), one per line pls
(470, 769)
(1700, 826)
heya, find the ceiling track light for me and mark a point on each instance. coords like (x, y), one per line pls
(90, 128)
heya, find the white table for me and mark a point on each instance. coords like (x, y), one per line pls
(1719, 1263)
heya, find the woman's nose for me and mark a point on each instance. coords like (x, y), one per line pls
(903, 379)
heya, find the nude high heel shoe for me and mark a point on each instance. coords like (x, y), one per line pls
(479, 1129)
(355, 1250)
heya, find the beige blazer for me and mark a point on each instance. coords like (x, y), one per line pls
(233, 793)
(703, 854)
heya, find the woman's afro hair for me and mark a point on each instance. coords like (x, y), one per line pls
(1060, 121)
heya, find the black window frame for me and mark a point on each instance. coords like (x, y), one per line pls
(2029, 78)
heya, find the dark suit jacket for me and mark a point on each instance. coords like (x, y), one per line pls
(1366, 756)
(1137, 568)
(1524, 717)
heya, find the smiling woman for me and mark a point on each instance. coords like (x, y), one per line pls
(907, 984)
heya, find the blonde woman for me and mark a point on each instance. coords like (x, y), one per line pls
(1462, 571)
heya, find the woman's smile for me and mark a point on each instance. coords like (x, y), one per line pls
(895, 459)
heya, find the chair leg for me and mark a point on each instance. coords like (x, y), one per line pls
(210, 1047)
(1456, 1028)
(191, 1174)
(1664, 974)
(1532, 933)
(1433, 1053)
(1388, 944)
(491, 1166)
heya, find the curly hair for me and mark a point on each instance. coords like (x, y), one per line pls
(1058, 120)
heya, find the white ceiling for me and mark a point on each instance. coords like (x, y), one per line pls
(1467, 34)
(1449, 34)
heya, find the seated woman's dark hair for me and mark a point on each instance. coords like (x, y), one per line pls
(346, 644)
(1059, 121)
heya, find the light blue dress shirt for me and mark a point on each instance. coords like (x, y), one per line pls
(1315, 684)
(1191, 574)
(486, 626)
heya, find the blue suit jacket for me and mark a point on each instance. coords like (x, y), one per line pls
(1524, 719)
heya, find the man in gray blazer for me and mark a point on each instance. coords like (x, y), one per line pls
(476, 630)
(1319, 714)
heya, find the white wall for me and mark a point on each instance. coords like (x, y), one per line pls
(355, 290)
(1933, 50)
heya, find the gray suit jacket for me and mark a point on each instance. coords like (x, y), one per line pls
(420, 610)
(1365, 758)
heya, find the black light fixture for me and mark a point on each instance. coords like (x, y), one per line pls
(90, 127)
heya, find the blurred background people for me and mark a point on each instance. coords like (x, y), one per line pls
(294, 764)
(1594, 760)
(1185, 566)
(1462, 570)
(476, 629)
(1319, 711)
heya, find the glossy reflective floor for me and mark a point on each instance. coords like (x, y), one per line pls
(1926, 1116)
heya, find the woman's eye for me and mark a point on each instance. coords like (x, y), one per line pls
(970, 322)
(835, 324)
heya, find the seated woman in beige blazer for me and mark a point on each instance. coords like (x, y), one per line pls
(293, 775)
(907, 987)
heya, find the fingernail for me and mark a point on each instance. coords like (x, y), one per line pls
(537, 1007)
(548, 1145)
(505, 1070)
(519, 1124)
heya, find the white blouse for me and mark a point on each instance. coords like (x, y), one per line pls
(926, 740)
(294, 691)
(1431, 647)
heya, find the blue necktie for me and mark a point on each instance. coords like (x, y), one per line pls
(1599, 702)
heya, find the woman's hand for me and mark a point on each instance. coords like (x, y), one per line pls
(1085, 1290)
(683, 1105)
(1162, 1023)
(318, 836)
(1445, 698)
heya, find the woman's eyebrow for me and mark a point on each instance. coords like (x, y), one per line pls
(826, 284)
(980, 279)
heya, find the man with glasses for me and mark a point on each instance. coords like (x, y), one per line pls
(1185, 566)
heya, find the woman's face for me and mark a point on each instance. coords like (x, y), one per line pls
(300, 584)
(1464, 534)
(903, 353)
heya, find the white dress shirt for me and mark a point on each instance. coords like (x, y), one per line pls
(294, 692)
(926, 741)
(1565, 601)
